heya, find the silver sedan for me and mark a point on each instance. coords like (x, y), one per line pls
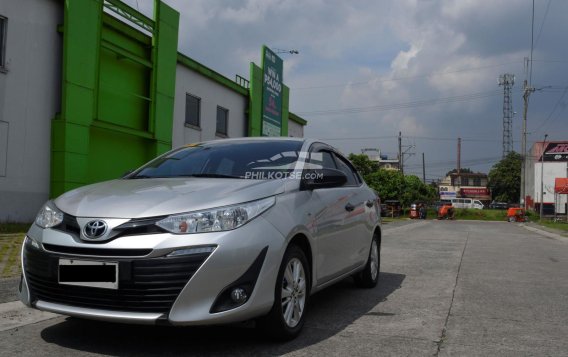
(209, 233)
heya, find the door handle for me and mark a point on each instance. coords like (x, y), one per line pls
(369, 203)
(349, 207)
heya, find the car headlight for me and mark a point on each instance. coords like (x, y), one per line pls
(49, 216)
(215, 219)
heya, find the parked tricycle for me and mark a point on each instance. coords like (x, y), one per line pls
(446, 211)
(516, 214)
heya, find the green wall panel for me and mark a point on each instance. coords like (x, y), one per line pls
(255, 100)
(133, 153)
(117, 96)
(124, 93)
(164, 76)
(285, 110)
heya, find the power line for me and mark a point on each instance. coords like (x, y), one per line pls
(551, 112)
(410, 137)
(413, 104)
(372, 81)
(542, 22)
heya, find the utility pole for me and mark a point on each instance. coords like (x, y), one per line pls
(423, 170)
(542, 176)
(400, 160)
(527, 90)
(459, 155)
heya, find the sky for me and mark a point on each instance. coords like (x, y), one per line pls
(369, 69)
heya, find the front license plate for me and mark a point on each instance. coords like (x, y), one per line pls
(88, 273)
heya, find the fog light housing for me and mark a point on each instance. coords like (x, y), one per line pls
(239, 296)
(239, 291)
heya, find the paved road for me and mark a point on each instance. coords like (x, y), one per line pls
(447, 288)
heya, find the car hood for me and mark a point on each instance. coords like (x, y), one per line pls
(137, 198)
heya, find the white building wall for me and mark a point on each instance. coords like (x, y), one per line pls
(212, 94)
(552, 170)
(295, 130)
(29, 99)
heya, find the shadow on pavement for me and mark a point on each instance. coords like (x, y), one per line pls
(331, 311)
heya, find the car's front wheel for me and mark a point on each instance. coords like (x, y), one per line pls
(286, 319)
(369, 276)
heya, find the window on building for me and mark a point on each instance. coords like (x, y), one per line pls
(192, 110)
(465, 181)
(222, 121)
(3, 24)
(477, 181)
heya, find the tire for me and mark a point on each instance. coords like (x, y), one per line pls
(285, 321)
(369, 276)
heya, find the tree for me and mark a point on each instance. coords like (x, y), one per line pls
(505, 178)
(363, 164)
(391, 185)
(388, 183)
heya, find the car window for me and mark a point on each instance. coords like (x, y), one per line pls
(249, 160)
(321, 159)
(342, 165)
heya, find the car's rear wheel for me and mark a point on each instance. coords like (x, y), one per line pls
(369, 276)
(286, 319)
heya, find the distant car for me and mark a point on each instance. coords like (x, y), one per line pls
(498, 205)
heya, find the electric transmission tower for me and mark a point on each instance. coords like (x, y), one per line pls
(507, 80)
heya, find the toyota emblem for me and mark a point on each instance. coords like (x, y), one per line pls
(95, 229)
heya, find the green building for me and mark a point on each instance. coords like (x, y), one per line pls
(91, 89)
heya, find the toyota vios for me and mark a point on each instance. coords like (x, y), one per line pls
(209, 233)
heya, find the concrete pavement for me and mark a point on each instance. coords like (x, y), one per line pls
(450, 288)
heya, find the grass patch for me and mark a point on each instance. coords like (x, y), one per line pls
(563, 226)
(481, 214)
(10, 248)
(14, 227)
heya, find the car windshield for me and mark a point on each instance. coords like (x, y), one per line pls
(261, 160)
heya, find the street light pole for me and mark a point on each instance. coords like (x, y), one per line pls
(542, 175)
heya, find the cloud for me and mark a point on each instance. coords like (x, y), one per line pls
(370, 53)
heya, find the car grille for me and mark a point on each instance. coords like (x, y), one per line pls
(145, 285)
(135, 226)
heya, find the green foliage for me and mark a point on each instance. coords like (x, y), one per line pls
(363, 164)
(505, 178)
(388, 183)
(391, 185)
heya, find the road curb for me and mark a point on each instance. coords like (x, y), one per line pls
(545, 233)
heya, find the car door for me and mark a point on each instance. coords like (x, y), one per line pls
(361, 213)
(334, 255)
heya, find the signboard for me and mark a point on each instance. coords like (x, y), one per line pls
(556, 152)
(447, 195)
(561, 185)
(271, 93)
(475, 192)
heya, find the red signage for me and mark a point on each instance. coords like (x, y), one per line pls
(556, 152)
(561, 185)
(475, 192)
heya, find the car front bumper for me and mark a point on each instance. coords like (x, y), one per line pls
(156, 288)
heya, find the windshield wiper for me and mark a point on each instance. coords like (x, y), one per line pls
(212, 175)
(139, 177)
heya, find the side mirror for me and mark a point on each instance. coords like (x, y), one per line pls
(322, 178)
